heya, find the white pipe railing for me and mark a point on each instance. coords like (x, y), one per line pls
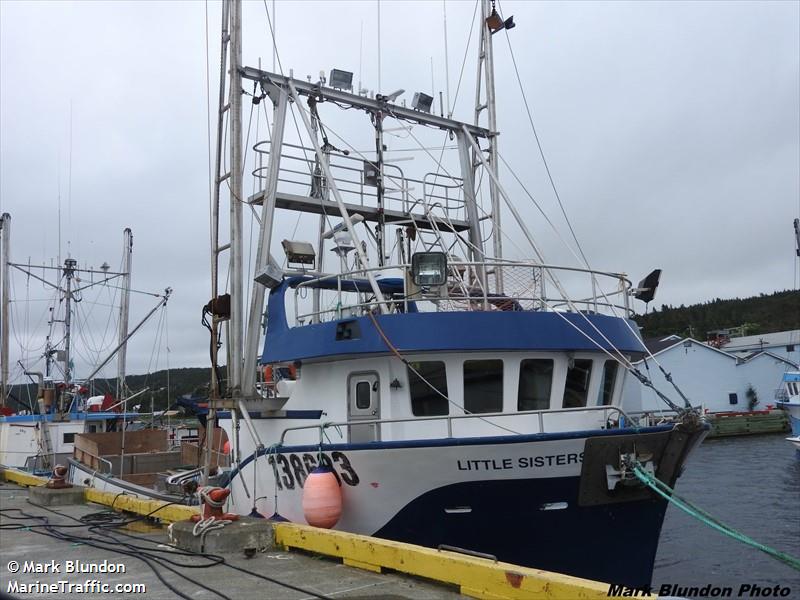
(450, 418)
(465, 288)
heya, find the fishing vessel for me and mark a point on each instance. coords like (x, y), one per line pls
(460, 397)
(47, 427)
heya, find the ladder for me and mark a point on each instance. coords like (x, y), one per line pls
(44, 438)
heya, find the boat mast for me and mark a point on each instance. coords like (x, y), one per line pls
(5, 236)
(280, 100)
(69, 274)
(235, 325)
(486, 77)
(124, 309)
(380, 226)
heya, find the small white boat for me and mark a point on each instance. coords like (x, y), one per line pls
(790, 402)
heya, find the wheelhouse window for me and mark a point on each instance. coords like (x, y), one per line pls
(535, 383)
(576, 387)
(606, 395)
(428, 399)
(483, 386)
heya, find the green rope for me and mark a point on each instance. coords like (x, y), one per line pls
(666, 492)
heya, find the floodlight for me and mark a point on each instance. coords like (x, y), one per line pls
(299, 252)
(495, 22)
(342, 80)
(370, 174)
(270, 276)
(429, 269)
(422, 102)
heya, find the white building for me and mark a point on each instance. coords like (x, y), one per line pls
(715, 379)
(782, 343)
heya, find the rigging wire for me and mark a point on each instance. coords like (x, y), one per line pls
(622, 359)
(446, 60)
(549, 176)
(539, 146)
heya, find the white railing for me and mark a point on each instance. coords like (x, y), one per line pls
(526, 287)
(297, 174)
(448, 419)
(100, 459)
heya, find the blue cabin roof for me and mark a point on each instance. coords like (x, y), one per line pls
(76, 416)
(507, 328)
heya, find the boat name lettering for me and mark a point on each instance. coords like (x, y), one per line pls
(523, 462)
(291, 470)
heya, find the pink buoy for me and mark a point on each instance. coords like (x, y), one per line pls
(226, 447)
(322, 498)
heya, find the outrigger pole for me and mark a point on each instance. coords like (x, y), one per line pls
(5, 236)
(124, 309)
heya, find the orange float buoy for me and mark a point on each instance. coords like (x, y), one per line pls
(322, 498)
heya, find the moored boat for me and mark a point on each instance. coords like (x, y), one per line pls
(790, 402)
(468, 402)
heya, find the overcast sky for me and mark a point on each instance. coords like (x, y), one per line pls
(672, 131)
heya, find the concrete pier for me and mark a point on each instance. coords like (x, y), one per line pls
(319, 577)
(246, 534)
(444, 573)
(57, 497)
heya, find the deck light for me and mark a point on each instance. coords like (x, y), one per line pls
(429, 269)
(422, 102)
(270, 276)
(341, 80)
(495, 22)
(301, 253)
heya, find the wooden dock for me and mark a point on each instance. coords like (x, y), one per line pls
(747, 423)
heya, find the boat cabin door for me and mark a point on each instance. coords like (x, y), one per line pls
(363, 404)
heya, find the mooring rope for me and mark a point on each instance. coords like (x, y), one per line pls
(666, 492)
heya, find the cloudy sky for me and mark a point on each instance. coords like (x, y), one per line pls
(672, 131)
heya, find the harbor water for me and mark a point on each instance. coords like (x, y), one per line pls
(751, 484)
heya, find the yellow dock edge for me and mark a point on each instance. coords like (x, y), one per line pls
(21, 477)
(163, 511)
(476, 577)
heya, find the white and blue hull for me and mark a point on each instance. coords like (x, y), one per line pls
(520, 498)
(792, 407)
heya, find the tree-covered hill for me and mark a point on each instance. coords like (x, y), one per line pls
(163, 386)
(765, 313)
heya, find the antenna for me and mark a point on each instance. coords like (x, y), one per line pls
(360, 54)
(379, 44)
(69, 184)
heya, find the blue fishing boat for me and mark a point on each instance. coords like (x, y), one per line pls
(790, 402)
(460, 398)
